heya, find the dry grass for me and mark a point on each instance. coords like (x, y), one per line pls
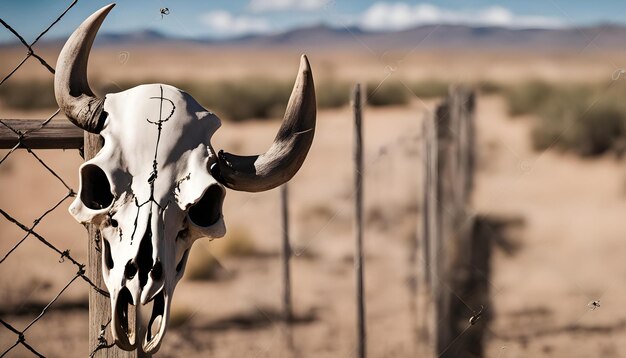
(237, 243)
(236, 100)
(179, 316)
(586, 119)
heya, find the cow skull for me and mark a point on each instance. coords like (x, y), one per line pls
(157, 184)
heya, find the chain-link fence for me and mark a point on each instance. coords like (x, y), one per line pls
(33, 135)
(30, 136)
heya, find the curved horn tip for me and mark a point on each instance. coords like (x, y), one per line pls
(305, 66)
(71, 86)
(304, 60)
(102, 12)
(289, 149)
(107, 7)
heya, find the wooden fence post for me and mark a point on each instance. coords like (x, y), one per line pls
(358, 187)
(286, 257)
(446, 224)
(459, 272)
(99, 305)
(429, 244)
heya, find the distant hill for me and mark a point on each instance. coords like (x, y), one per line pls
(603, 37)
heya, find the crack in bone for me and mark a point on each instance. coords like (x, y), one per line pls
(155, 171)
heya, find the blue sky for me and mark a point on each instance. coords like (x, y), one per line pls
(224, 18)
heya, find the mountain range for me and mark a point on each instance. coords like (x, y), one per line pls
(601, 37)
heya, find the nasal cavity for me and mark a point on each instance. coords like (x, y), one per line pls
(144, 257)
(130, 270)
(157, 271)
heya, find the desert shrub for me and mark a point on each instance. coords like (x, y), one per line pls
(201, 264)
(585, 119)
(587, 132)
(179, 316)
(332, 94)
(251, 98)
(235, 100)
(244, 99)
(527, 97)
(387, 94)
(236, 243)
(430, 88)
(489, 87)
(30, 94)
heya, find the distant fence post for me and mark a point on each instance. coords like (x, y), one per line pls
(447, 225)
(286, 257)
(358, 188)
(429, 243)
(99, 305)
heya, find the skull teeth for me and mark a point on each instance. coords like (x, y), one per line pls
(144, 334)
(156, 325)
(122, 332)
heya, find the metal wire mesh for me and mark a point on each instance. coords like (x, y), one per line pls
(30, 233)
(20, 143)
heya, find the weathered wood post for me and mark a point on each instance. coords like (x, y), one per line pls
(358, 187)
(286, 257)
(99, 305)
(458, 226)
(429, 243)
(447, 226)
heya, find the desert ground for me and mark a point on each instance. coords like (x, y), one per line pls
(569, 249)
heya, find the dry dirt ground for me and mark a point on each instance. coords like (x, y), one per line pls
(570, 248)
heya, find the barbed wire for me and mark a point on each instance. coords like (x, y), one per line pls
(64, 254)
(29, 230)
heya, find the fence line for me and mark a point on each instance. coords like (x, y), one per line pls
(50, 134)
(447, 224)
(447, 227)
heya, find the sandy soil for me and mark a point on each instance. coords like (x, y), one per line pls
(571, 248)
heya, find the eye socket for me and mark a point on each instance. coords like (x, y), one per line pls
(95, 191)
(208, 209)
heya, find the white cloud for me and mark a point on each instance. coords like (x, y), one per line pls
(225, 24)
(397, 16)
(282, 5)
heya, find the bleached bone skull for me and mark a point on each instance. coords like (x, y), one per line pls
(157, 184)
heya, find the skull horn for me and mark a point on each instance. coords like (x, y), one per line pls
(288, 151)
(71, 87)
